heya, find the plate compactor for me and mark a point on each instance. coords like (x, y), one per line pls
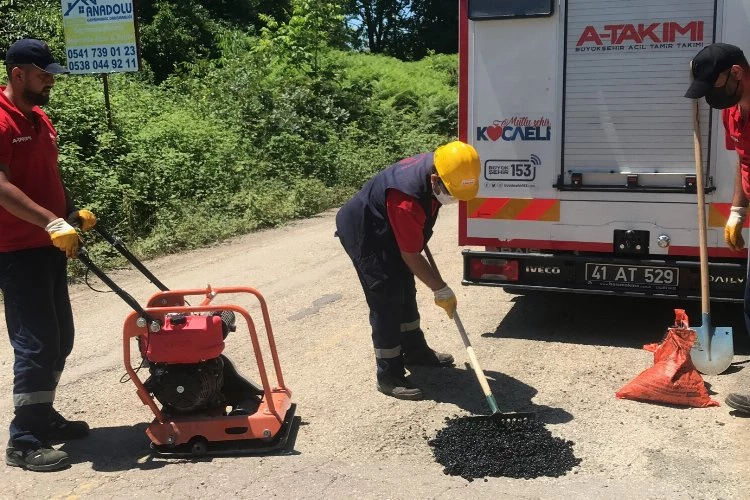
(205, 405)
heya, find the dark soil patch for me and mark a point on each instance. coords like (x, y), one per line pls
(474, 448)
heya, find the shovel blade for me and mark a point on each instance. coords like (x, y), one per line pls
(713, 350)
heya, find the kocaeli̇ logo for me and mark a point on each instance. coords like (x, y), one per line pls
(516, 128)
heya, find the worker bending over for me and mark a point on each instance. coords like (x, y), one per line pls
(384, 229)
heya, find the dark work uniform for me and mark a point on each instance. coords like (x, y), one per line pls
(33, 275)
(365, 232)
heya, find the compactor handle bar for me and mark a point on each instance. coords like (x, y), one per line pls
(83, 256)
(116, 242)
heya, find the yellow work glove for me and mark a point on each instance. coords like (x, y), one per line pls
(64, 237)
(733, 229)
(85, 219)
(446, 299)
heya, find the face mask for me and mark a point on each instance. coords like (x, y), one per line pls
(725, 96)
(441, 193)
(445, 199)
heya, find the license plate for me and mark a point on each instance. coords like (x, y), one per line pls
(624, 275)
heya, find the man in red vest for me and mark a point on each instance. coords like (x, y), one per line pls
(35, 243)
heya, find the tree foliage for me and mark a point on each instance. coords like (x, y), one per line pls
(379, 23)
(407, 29)
(177, 32)
(313, 28)
(21, 19)
(248, 13)
(432, 27)
(242, 14)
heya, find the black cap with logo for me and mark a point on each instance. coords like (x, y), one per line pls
(36, 52)
(708, 64)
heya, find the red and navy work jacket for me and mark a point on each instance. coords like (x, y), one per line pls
(363, 226)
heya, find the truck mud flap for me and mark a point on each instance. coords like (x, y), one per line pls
(598, 274)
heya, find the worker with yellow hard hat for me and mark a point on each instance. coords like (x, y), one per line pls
(384, 229)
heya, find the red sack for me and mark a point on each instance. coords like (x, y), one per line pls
(673, 379)
(651, 347)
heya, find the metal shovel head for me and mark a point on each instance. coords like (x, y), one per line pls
(713, 350)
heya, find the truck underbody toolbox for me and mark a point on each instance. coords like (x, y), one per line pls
(664, 277)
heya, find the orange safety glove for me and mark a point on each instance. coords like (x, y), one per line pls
(733, 228)
(85, 219)
(445, 298)
(64, 237)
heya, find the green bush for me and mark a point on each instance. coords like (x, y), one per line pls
(39, 19)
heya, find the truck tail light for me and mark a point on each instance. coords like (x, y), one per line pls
(496, 269)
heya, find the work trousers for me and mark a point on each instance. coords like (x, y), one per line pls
(40, 326)
(394, 319)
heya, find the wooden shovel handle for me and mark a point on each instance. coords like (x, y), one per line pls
(475, 365)
(699, 182)
(467, 344)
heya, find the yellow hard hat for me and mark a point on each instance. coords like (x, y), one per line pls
(457, 164)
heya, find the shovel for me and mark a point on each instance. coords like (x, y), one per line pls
(496, 415)
(713, 350)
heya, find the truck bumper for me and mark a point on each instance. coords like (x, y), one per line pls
(604, 274)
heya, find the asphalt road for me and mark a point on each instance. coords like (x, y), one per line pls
(563, 357)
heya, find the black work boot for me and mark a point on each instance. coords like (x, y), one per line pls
(398, 387)
(427, 357)
(417, 352)
(62, 429)
(740, 402)
(42, 459)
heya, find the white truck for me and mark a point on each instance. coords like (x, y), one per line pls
(588, 181)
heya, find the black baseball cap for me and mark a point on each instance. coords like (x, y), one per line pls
(36, 52)
(708, 64)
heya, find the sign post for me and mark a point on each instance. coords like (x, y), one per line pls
(101, 37)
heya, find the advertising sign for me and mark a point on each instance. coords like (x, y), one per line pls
(100, 36)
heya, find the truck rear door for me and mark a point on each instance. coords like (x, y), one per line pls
(625, 74)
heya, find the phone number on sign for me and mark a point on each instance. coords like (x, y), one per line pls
(103, 64)
(103, 59)
(102, 52)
